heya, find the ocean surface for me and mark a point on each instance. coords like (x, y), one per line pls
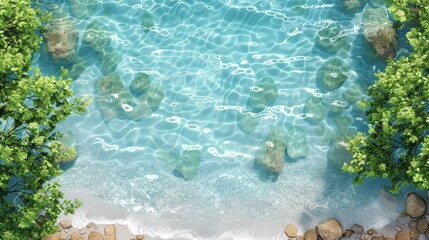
(209, 59)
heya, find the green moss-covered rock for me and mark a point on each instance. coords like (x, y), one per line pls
(147, 21)
(113, 98)
(96, 36)
(331, 39)
(315, 110)
(352, 5)
(83, 9)
(61, 37)
(343, 121)
(332, 74)
(154, 96)
(109, 61)
(265, 94)
(247, 122)
(140, 84)
(379, 32)
(78, 67)
(189, 164)
(296, 142)
(353, 94)
(271, 154)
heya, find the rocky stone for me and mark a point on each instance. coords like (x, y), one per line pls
(263, 95)
(299, 237)
(332, 74)
(168, 157)
(189, 164)
(247, 121)
(109, 60)
(69, 142)
(147, 21)
(91, 225)
(140, 84)
(65, 224)
(79, 66)
(353, 94)
(338, 154)
(153, 97)
(310, 235)
(61, 37)
(415, 205)
(96, 36)
(427, 233)
(358, 229)
(379, 32)
(111, 97)
(83, 231)
(343, 121)
(140, 237)
(412, 224)
(291, 231)
(330, 230)
(348, 233)
(414, 234)
(403, 215)
(95, 236)
(315, 110)
(370, 232)
(54, 236)
(296, 142)
(76, 236)
(83, 9)
(110, 230)
(422, 225)
(377, 238)
(352, 5)
(331, 39)
(270, 155)
(402, 235)
(388, 199)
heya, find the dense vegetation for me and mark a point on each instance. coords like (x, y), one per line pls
(397, 144)
(31, 105)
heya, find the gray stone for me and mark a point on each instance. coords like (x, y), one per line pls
(66, 224)
(352, 5)
(189, 164)
(296, 142)
(332, 74)
(330, 230)
(415, 205)
(109, 60)
(353, 94)
(271, 154)
(247, 121)
(154, 96)
(265, 94)
(140, 84)
(96, 36)
(331, 39)
(315, 110)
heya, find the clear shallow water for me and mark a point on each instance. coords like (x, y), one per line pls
(209, 56)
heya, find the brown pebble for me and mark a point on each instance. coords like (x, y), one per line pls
(427, 233)
(310, 235)
(398, 228)
(110, 230)
(95, 236)
(402, 215)
(370, 232)
(412, 224)
(414, 234)
(82, 231)
(358, 229)
(291, 231)
(76, 236)
(377, 238)
(91, 224)
(348, 233)
(54, 236)
(66, 224)
(402, 236)
(364, 236)
(140, 237)
(300, 237)
(388, 238)
(422, 225)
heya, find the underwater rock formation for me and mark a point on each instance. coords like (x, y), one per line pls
(352, 5)
(315, 110)
(265, 94)
(78, 67)
(69, 141)
(332, 74)
(96, 36)
(61, 37)
(140, 84)
(189, 164)
(338, 153)
(271, 154)
(296, 142)
(153, 96)
(83, 9)
(353, 94)
(378, 31)
(147, 21)
(109, 60)
(247, 121)
(331, 40)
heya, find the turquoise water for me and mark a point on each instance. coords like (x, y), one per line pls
(209, 57)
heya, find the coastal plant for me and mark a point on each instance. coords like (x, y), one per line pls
(397, 143)
(31, 106)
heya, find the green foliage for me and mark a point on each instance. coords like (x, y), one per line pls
(31, 105)
(397, 144)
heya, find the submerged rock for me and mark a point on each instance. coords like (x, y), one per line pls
(109, 61)
(353, 94)
(154, 96)
(247, 122)
(78, 67)
(271, 154)
(330, 230)
(332, 74)
(69, 142)
(265, 94)
(147, 21)
(315, 110)
(113, 96)
(388, 199)
(343, 121)
(331, 40)
(296, 142)
(83, 9)
(61, 39)
(189, 164)
(168, 157)
(140, 84)
(338, 153)
(96, 36)
(352, 5)
(378, 30)
(415, 205)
